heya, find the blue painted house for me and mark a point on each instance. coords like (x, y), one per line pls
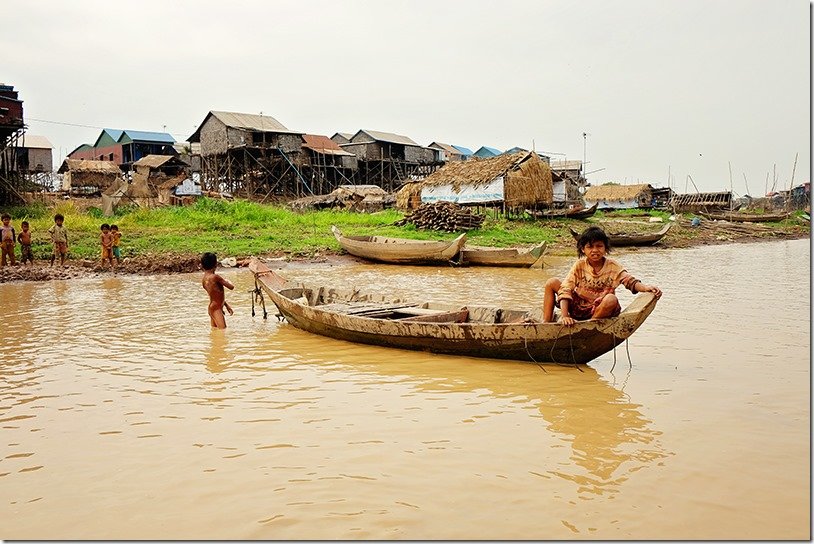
(487, 152)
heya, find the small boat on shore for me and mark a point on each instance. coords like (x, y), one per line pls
(567, 213)
(399, 250)
(740, 217)
(632, 239)
(531, 257)
(471, 330)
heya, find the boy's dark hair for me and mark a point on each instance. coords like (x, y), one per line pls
(114, 227)
(104, 226)
(5, 216)
(591, 235)
(209, 261)
(24, 224)
(59, 216)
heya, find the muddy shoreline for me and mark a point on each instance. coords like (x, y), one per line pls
(682, 235)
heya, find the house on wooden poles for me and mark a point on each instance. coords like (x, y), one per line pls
(35, 162)
(250, 154)
(387, 160)
(11, 133)
(326, 165)
(509, 183)
(124, 147)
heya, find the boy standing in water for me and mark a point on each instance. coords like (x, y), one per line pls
(7, 240)
(107, 245)
(114, 231)
(59, 235)
(25, 244)
(213, 284)
(588, 291)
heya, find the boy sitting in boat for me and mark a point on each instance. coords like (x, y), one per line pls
(588, 291)
(214, 284)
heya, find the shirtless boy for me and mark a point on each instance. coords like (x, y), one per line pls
(107, 245)
(213, 284)
(25, 244)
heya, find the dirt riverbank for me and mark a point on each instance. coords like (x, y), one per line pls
(682, 235)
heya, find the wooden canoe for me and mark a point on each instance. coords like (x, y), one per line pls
(569, 213)
(740, 217)
(531, 257)
(399, 250)
(474, 331)
(619, 240)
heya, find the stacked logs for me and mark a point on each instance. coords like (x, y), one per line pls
(446, 216)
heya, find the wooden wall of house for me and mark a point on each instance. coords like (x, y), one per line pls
(214, 138)
(421, 155)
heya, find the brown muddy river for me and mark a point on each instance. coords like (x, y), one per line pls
(125, 417)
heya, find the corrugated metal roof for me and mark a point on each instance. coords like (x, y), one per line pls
(323, 144)
(464, 150)
(485, 151)
(261, 123)
(566, 165)
(142, 136)
(246, 121)
(445, 147)
(36, 142)
(388, 137)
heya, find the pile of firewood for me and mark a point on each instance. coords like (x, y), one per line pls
(446, 216)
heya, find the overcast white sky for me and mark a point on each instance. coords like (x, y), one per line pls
(685, 86)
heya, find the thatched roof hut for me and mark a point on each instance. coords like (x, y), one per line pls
(88, 176)
(519, 179)
(620, 196)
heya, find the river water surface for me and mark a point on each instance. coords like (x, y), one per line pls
(124, 417)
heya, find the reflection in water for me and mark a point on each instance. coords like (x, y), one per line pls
(608, 435)
(217, 359)
(118, 389)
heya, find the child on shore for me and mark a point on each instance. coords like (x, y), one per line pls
(25, 244)
(588, 291)
(107, 245)
(213, 284)
(114, 230)
(7, 240)
(59, 236)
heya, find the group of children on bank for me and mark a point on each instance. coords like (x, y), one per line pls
(110, 240)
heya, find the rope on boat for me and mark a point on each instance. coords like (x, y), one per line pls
(257, 294)
(571, 342)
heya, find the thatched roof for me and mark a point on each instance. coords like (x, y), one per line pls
(616, 192)
(83, 165)
(475, 171)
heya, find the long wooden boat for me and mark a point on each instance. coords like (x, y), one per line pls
(741, 217)
(621, 239)
(399, 250)
(568, 213)
(475, 331)
(531, 257)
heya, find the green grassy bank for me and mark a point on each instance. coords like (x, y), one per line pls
(240, 228)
